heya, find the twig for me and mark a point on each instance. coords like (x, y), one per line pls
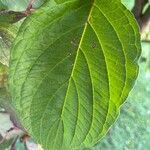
(25, 145)
(146, 41)
(24, 139)
(141, 18)
(30, 5)
(145, 19)
(12, 147)
(29, 8)
(138, 7)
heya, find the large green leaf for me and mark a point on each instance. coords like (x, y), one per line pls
(72, 66)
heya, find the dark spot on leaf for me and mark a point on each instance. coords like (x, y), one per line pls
(94, 45)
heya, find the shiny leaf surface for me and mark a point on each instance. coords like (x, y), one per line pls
(72, 66)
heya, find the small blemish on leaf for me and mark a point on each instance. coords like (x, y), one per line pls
(94, 45)
(74, 42)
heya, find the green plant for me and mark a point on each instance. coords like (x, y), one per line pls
(72, 65)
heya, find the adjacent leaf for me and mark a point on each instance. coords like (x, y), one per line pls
(8, 130)
(128, 3)
(15, 5)
(7, 17)
(7, 35)
(5, 124)
(20, 5)
(3, 79)
(11, 12)
(72, 66)
(6, 144)
(6, 106)
(2, 6)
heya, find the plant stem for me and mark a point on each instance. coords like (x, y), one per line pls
(142, 19)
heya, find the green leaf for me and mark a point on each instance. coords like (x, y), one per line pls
(73, 65)
(7, 17)
(7, 35)
(11, 12)
(20, 5)
(6, 144)
(5, 105)
(2, 6)
(3, 69)
(3, 74)
(16, 5)
(3, 80)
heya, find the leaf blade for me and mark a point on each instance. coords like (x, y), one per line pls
(79, 103)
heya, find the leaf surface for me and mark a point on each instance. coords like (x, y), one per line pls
(72, 66)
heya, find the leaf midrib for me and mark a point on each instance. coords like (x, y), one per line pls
(72, 72)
